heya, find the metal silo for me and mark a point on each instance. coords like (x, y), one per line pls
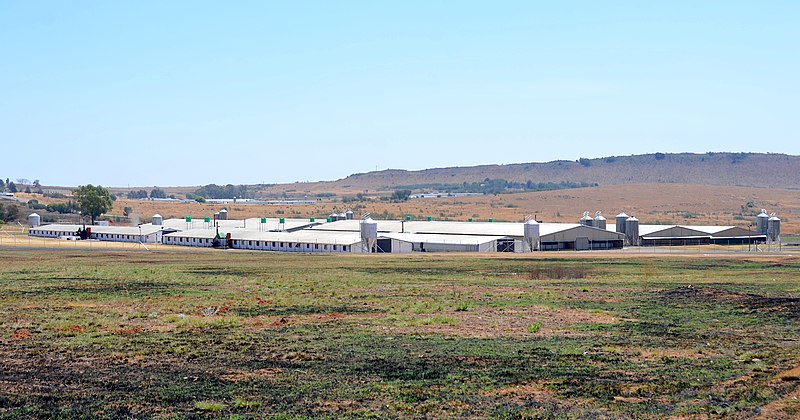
(369, 233)
(761, 222)
(620, 219)
(599, 220)
(157, 220)
(587, 220)
(632, 231)
(34, 220)
(349, 214)
(532, 233)
(223, 215)
(774, 229)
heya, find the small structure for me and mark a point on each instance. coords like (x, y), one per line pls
(34, 220)
(621, 219)
(599, 220)
(587, 220)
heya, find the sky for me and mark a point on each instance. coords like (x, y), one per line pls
(174, 93)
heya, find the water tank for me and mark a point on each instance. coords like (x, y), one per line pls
(34, 220)
(369, 233)
(774, 228)
(532, 233)
(349, 214)
(632, 231)
(620, 219)
(157, 220)
(599, 221)
(587, 220)
(223, 215)
(761, 222)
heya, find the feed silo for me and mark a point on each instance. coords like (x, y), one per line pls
(761, 222)
(369, 233)
(632, 231)
(599, 220)
(532, 234)
(774, 229)
(620, 219)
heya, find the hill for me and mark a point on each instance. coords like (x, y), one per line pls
(728, 169)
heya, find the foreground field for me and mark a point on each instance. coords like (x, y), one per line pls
(125, 333)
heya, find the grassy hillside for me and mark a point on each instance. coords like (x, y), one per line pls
(731, 169)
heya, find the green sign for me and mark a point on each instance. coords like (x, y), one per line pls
(469, 220)
(408, 218)
(311, 219)
(430, 218)
(263, 220)
(188, 219)
(207, 220)
(282, 220)
(491, 219)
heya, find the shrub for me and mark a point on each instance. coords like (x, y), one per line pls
(210, 406)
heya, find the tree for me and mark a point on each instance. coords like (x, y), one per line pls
(401, 195)
(12, 187)
(133, 195)
(2, 185)
(28, 189)
(37, 187)
(92, 200)
(10, 214)
(157, 193)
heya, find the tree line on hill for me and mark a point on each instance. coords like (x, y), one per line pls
(215, 191)
(497, 186)
(12, 187)
(143, 194)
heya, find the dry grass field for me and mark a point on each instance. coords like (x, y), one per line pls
(109, 333)
(651, 203)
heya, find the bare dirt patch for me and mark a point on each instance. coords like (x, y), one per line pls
(238, 375)
(785, 306)
(514, 322)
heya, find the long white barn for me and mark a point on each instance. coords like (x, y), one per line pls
(398, 236)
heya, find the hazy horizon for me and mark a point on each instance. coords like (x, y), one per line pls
(192, 93)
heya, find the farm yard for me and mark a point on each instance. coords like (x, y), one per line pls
(121, 333)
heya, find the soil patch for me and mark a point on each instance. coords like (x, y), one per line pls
(785, 306)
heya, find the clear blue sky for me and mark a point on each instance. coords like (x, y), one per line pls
(191, 92)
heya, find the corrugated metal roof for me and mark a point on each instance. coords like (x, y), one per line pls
(253, 223)
(301, 236)
(515, 229)
(114, 230)
(354, 225)
(442, 239)
(645, 230)
(708, 229)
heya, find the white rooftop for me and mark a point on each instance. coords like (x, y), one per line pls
(116, 230)
(442, 239)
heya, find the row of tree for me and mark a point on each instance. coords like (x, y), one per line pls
(221, 191)
(142, 194)
(10, 186)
